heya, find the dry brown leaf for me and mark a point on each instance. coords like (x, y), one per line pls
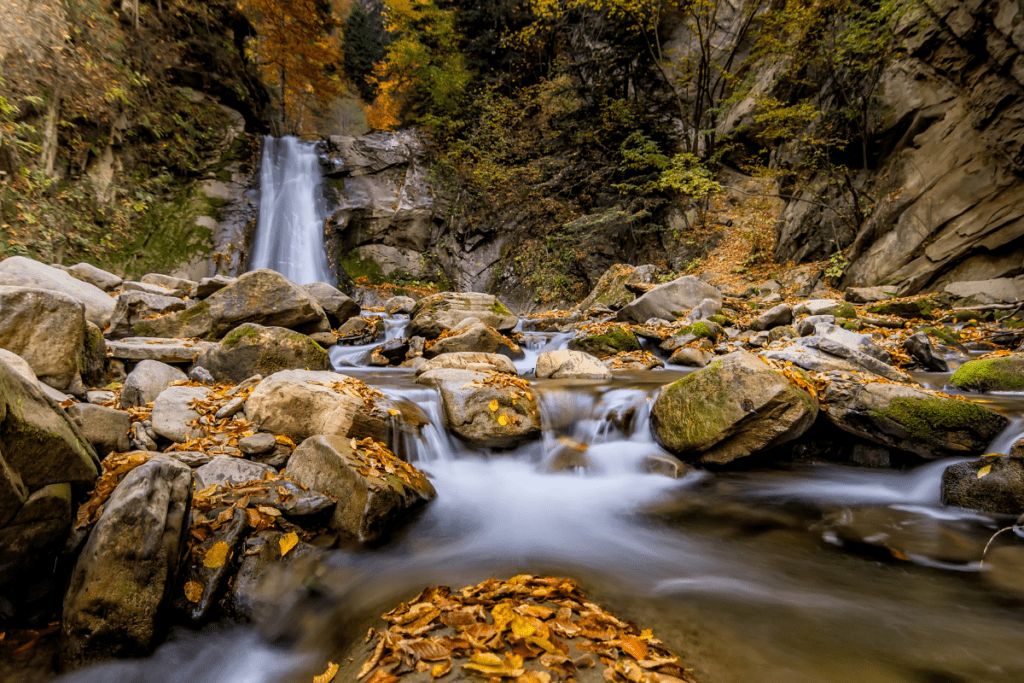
(193, 591)
(216, 556)
(328, 676)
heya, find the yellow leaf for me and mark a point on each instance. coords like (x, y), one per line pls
(193, 591)
(994, 455)
(502, 615)
(521, 627)
(267, 510)
(283, 439)
(493, 405)
(392, 411)
(441, 669)
(503, 420)
(327, 676)
(287, 542)
(984, 471)
(216, 556)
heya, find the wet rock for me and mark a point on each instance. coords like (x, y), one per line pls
(212, 579)
(999, 490)
(252, 349)
(179, 286)
(371, 501)
(105, 428)
(819, 354)
(774, 317)
(263, 297)
(211, 285)
(437, 313)
(46, 329)
(909, 419)
(324, 339)
(399, 304)
(359, 331)
(669, 301)
(466, 400)
(34, 536)
(570, 364)
(336, 304)
(615, 340)
(394, 349)
(224, 471)
(1005, 373)
(612, 291)
(18, 271)
(128, 567)
(632, 361)
(731, 409)
(919, 346)
(257, 443)
(869, 295)
(304, 403)
(478, 338)
(86, 272)
(156, 349)
(480, 362)
(690, 357)
(665, 466)
(133, 307)
(146, 381)
(173, 414)
(839, 309)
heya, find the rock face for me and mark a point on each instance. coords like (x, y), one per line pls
(47, 329)
(375, 490)
(303, 403)
(611, 289)
(19, 271)
(259, 296)
(1001, 490)
(735, 407)
(670, 301)
(568, 364)
(437, 313)
(467, 399)
(335, 303)
(911, 419)
(1005, 373)
(146, 381)
(128, 566)
(252, 349)
(132, 308)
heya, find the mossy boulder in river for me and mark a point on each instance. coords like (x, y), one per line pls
(735, 407)
(911, 419)
(435, 314)
(252, 349)
(615, 340)
(1005, 373)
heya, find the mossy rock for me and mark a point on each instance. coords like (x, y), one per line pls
(918, 308)
(616, 340)
(707, 329)
(252, 349)
(846, 310)
(965, 316)
(1005, 373)
(720, 319)
(943, 334)
(779, 333)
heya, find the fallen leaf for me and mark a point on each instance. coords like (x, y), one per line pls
(493, 405)
(287, 542)
(503, 420)
(984, 471)
(392, 412)
(441, 669)
(381, 676)
(216, 556)
(193, 591)
(327, 676)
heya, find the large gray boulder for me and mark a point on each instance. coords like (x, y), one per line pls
(146, 381)
(225, 470)
(259, 296)
(999, 489)
(178, 286)
(568, 364)
(734, 408)
(910, 419)
(483, 410)
(375, 490)
(105, 428)
(477, 338)
(468, 360)
(611, 289)
(670, 301)
(998, 290)
(613, 341)
(820, 354)
(128, 567)
(131, 308)
(34, 537)
(1005, 373)
(252, 349)
(336, 304)
(97, 277)
(47, 329)
(173, 414)
(437, 313)
(18, 271)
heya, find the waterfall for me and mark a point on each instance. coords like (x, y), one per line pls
(289, 235)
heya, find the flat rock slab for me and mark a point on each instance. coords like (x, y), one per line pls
(155, 348)
(172, 413)
(223, 471)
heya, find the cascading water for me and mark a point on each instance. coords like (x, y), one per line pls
(289, 235)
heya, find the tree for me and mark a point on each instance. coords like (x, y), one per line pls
(365, 45)
(296, 45)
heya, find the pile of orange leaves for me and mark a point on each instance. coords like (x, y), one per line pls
(115, 466)
(375, 460)
(527, 629)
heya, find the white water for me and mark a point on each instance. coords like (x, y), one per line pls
(289, 235)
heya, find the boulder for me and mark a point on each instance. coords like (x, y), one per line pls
(611, 289)
(211, 285)
(800, 282)
(156, 348)
(869, 295)
(252, 349)
(399, 304)
(211, 579)
(45, 328)
(173, 413)
(92, 359)
(859, 342)
(437, 313)
(906, 308)
(33, 538)
(260, 296)
(337, 306)
(999, 489)
(615, 340)
(39, 444)
(105, 428)
(18, 271)
(375, 490)
(773, 317)
(304, 403)
(819, 354)
(480, 362)
(669, 301)
(1005, 373)
(477, 338)
(178, 286)
(360, 331)
(690, 357)
(86, 272)
(839, 309)
(19, 365)
(999, 290)
(807, 325)
(910, 419)
(708, 308)
(568, 364)
(146, 381)
(225, 471)
(920, 348)
(734, 408)
(129, 565)
(257, 443)
(484, 410)
(147, 288)
(134, 307)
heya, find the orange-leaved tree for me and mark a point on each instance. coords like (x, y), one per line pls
(297, 47)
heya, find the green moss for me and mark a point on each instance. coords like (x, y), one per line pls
(945, 335)
(993, 374)
(615, 340)
(1013, 323)
(357, 267)
(921, 308)
(232, 339)
(964, 316)
(705, 330)
(846, 310)
(189, 313)
(499, 308)
(929, 420)
(143, 330)
(720, 319)
(689, 415)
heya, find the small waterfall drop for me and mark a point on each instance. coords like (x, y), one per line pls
(289, 236)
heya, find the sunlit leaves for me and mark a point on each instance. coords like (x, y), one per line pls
(327, 676)
(216, 556)
(287, 542)
(193, 591)
(984, 471)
